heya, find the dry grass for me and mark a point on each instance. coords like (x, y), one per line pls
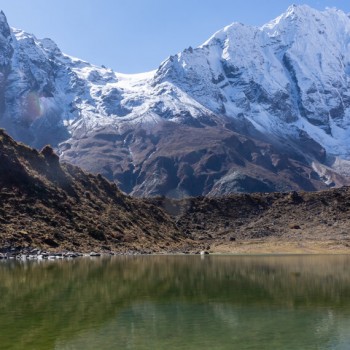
(278, 246)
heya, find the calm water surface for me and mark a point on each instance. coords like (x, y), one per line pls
(177, 302)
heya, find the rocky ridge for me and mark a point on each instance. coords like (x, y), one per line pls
(48, 205)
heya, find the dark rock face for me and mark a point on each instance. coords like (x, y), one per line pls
(237, 182)
(179, 161)
(50, 156)
(111, 103)
(5, 41)
(312, 147)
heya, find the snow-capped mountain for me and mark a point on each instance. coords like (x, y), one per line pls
(294, 70)
(253, 108)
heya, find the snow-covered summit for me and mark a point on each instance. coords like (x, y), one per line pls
(293, 70)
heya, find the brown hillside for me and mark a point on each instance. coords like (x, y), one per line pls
(58, 206)
(291, 221)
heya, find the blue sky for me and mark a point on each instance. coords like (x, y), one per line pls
(134, 36)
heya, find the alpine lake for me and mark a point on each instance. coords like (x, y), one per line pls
(177, 302)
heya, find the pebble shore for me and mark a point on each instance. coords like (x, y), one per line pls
(37, 254)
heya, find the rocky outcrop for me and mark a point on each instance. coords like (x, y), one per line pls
(179, 161)
(299, 217)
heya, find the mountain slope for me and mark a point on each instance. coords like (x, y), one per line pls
(252, 109)
(266, 223)
(47, 204)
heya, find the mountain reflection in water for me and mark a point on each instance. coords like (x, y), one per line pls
(177, 302)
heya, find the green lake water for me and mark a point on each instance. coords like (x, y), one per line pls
(177, 302)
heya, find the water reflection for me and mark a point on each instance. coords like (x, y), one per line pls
(177, 302)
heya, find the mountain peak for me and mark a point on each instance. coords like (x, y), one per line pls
(235, 29)
(5, 30)
(6, 49)
(297, 9)
(306, 11)
(2, 16)
(50, 46)
(291, 14)
(305, 17)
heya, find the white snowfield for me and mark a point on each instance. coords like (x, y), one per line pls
(291, 74)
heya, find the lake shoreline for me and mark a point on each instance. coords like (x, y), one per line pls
(264, 246)
(275, 246)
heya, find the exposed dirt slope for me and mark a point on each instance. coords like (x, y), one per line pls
(58, 206)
